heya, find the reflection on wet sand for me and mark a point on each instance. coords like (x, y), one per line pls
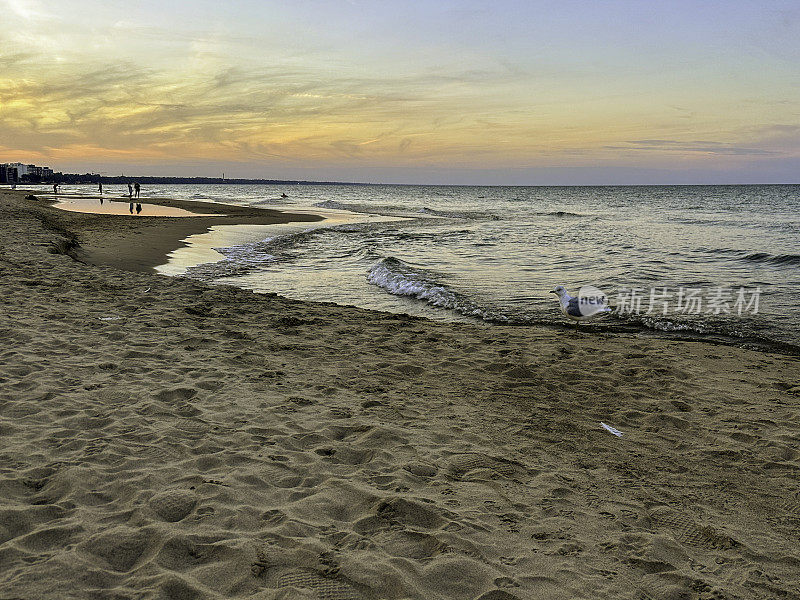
(115, 207)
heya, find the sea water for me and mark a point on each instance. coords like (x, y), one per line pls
(492, 254)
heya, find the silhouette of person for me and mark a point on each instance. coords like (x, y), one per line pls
(100, 186)
(130, 191)
(138, 208)
(131, 207)
(137, 187)
(55, 188)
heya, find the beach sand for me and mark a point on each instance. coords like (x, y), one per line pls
(167, 439)
(139, 243)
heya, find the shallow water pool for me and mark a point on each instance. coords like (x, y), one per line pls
(115, 207)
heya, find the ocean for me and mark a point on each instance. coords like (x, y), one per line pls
(718, 263)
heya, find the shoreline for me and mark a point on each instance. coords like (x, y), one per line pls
(141, 243)
(166, 438)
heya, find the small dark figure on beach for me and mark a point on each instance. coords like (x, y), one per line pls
(130, 191)
(100, 186)
(138, 188)
(138, 208)
(284, 196)
(55, 189)
(131, 207)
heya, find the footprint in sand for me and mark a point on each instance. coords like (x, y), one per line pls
(410, 544)
(498, 595)
(120, 547)
(421, 469)
(175, 394)
(272, 567)
(687, 531)
(184, 552)
(15, 523)
(462, 465)
(173, 505)
(323, 587)
(273, 517)
(191, 428)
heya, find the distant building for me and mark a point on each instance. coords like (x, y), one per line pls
(21, 169)
(17, 172)
(8, 174)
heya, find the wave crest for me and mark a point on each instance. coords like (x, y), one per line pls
(401, 279)
(773, 259)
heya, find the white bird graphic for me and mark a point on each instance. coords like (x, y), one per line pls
(580, 308)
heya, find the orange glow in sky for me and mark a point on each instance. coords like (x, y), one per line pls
(451, 92)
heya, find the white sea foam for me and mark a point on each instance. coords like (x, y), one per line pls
(385, 274)
(480, 266)
(401, 279)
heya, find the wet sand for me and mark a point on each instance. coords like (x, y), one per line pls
(140, 242)
(167, 439)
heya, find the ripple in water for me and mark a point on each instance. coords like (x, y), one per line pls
(494, 253)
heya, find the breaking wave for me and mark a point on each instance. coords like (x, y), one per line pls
(401, 279)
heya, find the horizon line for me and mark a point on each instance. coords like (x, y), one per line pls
(265, 181)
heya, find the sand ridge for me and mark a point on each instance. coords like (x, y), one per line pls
(167, 439)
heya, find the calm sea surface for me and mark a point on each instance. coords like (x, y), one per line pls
(492, 254)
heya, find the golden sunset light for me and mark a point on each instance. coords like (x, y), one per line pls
(352, 89)
(416, 300)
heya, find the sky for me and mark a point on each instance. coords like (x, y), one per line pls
(485, 93)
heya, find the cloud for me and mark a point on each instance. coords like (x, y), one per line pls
(699, 147)
(157, 95)
(230, 112)
(29, 10)
(10, 61)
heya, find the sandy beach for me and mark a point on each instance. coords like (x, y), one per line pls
(139, 243)
(167, 439)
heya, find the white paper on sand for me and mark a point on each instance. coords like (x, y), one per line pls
(610, 429)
